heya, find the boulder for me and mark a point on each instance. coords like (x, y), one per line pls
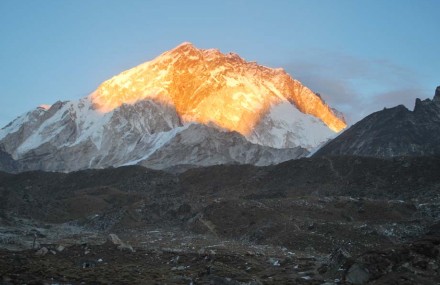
(357, 274)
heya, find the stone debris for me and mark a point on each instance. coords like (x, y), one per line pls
(114, 239)
(357, 274)
(42, 251)
(262, 227)
(60, 248)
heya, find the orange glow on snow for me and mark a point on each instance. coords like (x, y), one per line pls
(206, 86)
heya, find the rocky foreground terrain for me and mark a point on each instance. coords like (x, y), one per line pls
(326, 220)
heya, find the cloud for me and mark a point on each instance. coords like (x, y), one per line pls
(405, 96)
(356, 86)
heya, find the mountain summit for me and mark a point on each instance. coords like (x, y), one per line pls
(188, 106)
(206, 86)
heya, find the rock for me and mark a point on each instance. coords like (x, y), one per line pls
(36, 245)
(437, 94)
(175, 260)
(413, 261)
(180, 268)
(42, 251)
(274, 261)
(337, 259)
(357, 274)
(7, 163)
(392, 132)
(114, 239)
(434, 229)
(60, 248)
(6, 280)
(88, 264)
(125, 246)
(223, 281)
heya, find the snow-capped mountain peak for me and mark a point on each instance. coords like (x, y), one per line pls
(148, 114)
(208, 86)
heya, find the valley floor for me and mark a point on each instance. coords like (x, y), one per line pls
(312, 221)
(167, 257)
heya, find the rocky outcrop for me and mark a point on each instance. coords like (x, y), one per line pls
(392, 132)
(417, 262)
(7, 163)
(115, 240)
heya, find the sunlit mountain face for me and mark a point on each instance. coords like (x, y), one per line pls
(208, 87)
(187, 107)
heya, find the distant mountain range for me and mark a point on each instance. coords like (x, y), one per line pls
(191, 107)
(188, 107)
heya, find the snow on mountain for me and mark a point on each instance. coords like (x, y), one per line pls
(74, 135)
(187, 106)
(208, 86)
(284, 126)
(202, 145)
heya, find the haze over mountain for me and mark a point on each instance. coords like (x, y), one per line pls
(186, 107)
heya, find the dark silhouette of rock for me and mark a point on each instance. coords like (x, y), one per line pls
(392, 132)
(7, 163)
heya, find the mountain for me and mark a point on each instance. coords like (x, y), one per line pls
(188, 106)
(7, 163)
(392, 132)
(200, 145)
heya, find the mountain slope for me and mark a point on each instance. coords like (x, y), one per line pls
(203, 146)
(392, 132)
(207, 86)
(7, 163)
(73, 135)
(243, 113)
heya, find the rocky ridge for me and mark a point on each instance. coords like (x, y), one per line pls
(392, 132)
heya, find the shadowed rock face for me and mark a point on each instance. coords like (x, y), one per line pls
(437, 94)
(392, 132)
(7, 163)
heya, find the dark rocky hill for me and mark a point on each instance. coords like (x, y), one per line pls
(392, 132)
(300, 221)
(45, 196)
